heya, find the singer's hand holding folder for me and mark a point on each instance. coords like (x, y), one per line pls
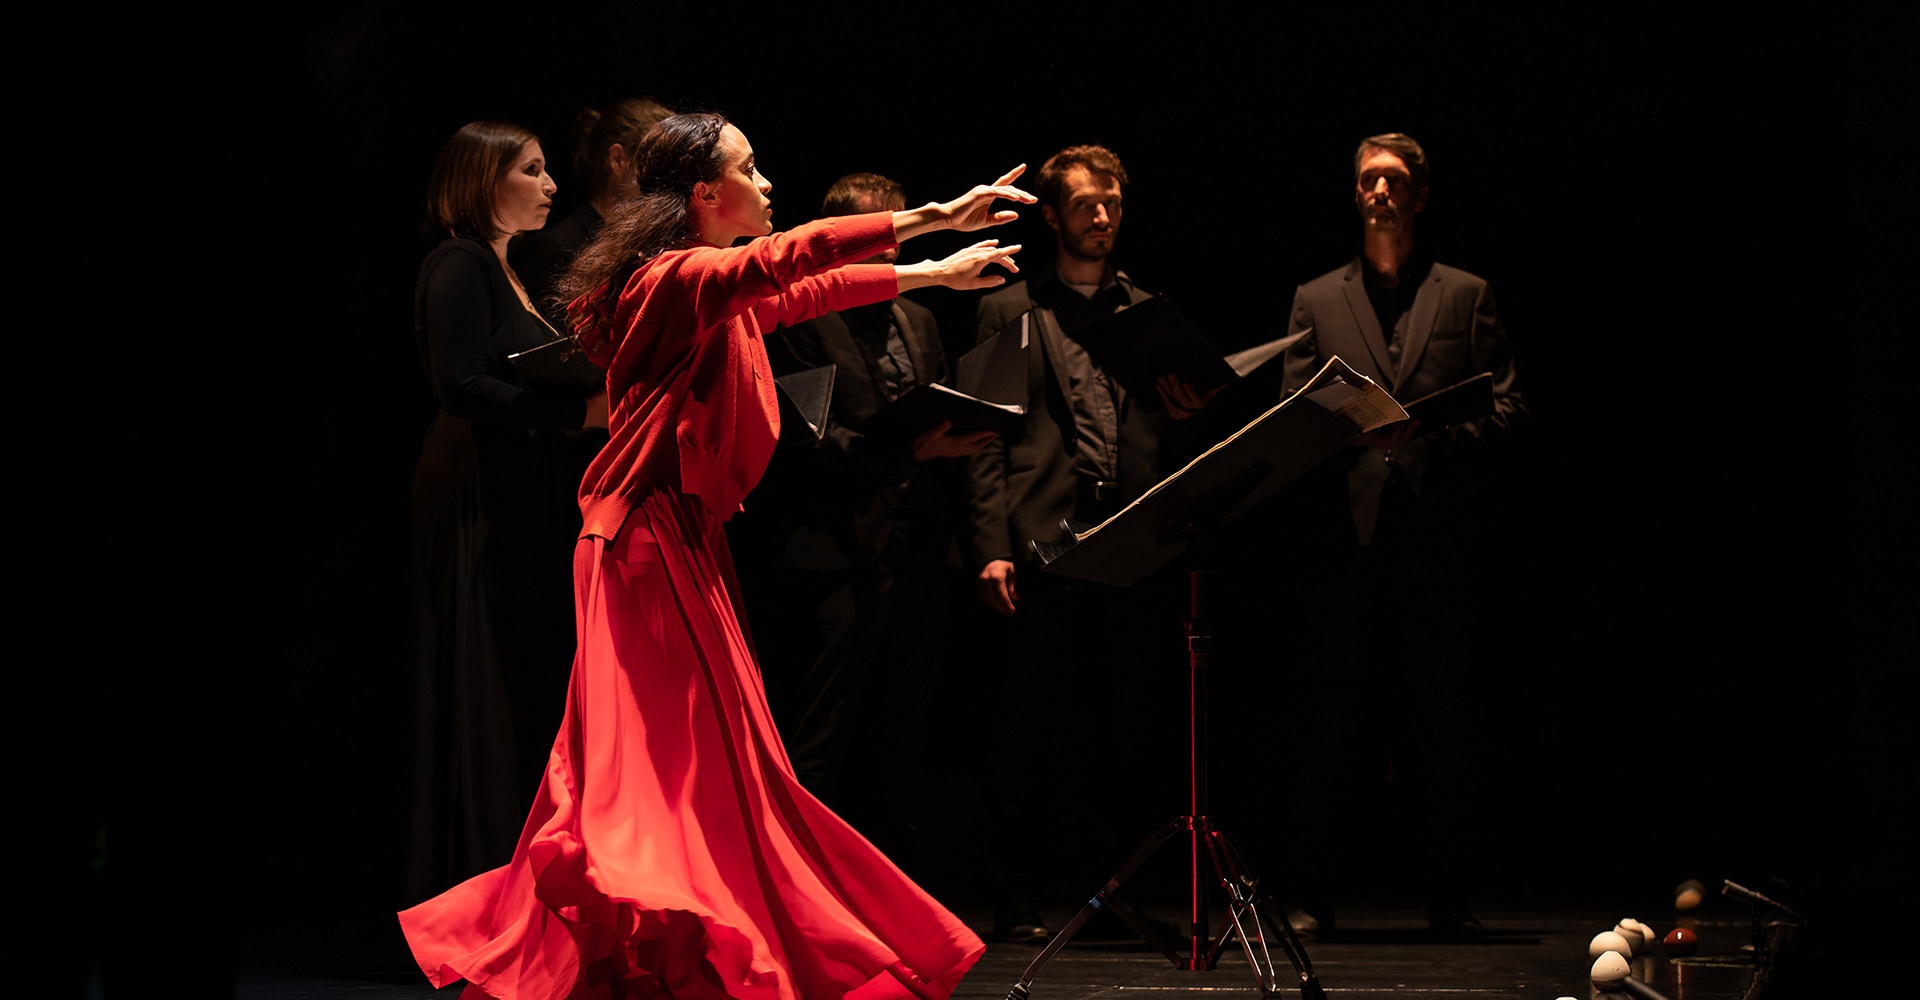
(928, 403)
(557, 364)
(1141, 343)
(1459, 403)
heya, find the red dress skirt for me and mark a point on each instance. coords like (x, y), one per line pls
(670, 851)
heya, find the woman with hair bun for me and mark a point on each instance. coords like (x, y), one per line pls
(671, 852)
(605, 139)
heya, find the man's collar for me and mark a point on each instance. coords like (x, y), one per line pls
(1050, 281)
(1412, 272)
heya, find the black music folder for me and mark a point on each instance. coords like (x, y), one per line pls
(558, 364)
(1226, 481)
(1459, 403)
(1138, 344)
(928, 403)
(995, 369)
(805, 398)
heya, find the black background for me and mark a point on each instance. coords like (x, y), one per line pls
(1698, 229)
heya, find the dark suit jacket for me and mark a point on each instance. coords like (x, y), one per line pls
(849, 487)
(1022, 484)
(830, 339)
(1453, 333)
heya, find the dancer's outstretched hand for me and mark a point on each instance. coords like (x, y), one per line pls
(971, 211)
(974, 210)
(962, 269)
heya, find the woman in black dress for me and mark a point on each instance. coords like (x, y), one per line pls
(494, 514)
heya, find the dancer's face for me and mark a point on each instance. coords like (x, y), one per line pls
(737, 199)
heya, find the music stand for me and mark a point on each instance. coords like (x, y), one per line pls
(1184, 514)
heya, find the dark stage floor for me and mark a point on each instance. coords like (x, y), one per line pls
(1379, 951)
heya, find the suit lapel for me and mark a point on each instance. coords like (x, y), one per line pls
(1426, 308)
(853, 391)
(1360, 309)
(919, 351)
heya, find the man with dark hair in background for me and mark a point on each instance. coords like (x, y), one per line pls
(852, 541)
(1389, 637)
(1086, 756)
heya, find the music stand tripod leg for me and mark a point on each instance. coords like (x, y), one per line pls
(1248, 901)
(1100, 900)
(1197, 531)
(1245, 900)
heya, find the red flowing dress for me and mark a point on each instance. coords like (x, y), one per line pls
(670, 851)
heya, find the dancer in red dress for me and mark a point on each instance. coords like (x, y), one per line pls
(670, 851)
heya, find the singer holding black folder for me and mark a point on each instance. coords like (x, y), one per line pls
(1082, 730)
(670, 850)
(1384, 545)
(494, 516)
(850, 584)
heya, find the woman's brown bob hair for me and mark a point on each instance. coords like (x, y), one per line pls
(460, 191)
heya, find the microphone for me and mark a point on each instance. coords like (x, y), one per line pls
(1610, 973)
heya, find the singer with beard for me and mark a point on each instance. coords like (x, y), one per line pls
(1079, 704)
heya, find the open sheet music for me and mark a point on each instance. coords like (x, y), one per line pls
(1227, 479)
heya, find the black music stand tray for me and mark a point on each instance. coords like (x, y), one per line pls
(1184, 514)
